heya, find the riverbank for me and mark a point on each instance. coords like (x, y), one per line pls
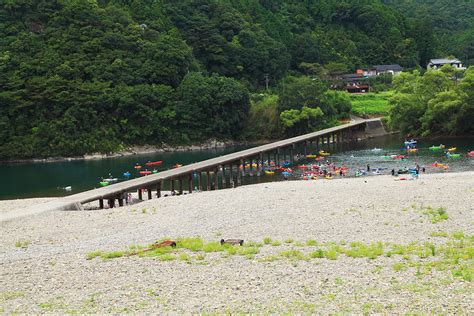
(46, 268)
(143, 150)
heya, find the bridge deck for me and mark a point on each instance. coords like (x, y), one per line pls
(150, 180)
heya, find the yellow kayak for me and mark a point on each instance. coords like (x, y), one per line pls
(311, 156)
(323, 153)
(412, 150)
(269, 172)
(452, 149)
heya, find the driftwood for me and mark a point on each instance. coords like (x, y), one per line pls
(166, 243)
(232, 241)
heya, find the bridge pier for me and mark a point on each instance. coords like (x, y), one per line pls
(216, 179)
(101, 204)
(190, 183)
(140, 197)
(208, 181)
(200, 180)
(158, 190)
(150, 194)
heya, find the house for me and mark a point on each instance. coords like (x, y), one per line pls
(356, 83)
(438, 63)
(378, 70)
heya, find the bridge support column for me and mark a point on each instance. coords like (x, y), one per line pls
(277, 155)
(242, 163)
(158, 190)
(208, 178)
(172, 185)
(180, 181)
(239, 174)
(101, 204)
(200, 181)
(111, 202)
(222, 168)
(140, 197)
(231, 175)
(216, 179)
(292, 154)
(190, 183)
(150, 193)
(120, 199)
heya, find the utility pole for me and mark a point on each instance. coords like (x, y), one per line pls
(266, 81)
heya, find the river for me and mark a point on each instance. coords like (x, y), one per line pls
(26, 180)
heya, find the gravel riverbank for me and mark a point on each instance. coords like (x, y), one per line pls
(45, 266)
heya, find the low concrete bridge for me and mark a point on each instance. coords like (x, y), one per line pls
(228, 166)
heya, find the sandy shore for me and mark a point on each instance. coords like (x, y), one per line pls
(45, 267)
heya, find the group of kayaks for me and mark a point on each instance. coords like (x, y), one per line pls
(127, 174)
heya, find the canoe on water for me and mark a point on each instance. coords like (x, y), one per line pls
(154, 163)
(103, 183)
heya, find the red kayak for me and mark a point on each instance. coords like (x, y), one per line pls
(154, 163)
(145, 172)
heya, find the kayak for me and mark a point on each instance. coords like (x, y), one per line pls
(403, 171)
(452, 149)
(412, 150)
(410, 142)
(137, 167)
(286, 173)
(453, 155)
(324, 153)
(104, 183)
(328, 178)
(437, 164)
(311, 156)
(110, 180)
(470, 154)
(302, 167)
(441, 146)
(155, 171)
(267, 172)
(145, 172)
(127, 174)
(154, 163)
(377, 149)
(178, 165)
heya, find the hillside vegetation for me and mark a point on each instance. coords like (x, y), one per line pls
(81, 76)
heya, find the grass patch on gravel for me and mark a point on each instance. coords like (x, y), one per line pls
(456, 255)
(22, 243)
(435, 215)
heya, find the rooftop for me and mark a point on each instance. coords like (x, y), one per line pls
(444, 61)
(394, 67)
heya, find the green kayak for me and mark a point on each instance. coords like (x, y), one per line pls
(453, 155)
(435, 148)
(103, 183)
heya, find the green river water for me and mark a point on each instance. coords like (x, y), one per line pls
(26, 180)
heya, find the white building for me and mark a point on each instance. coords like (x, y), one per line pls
(438, 63)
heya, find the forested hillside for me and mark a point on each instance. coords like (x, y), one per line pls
(81, 76)
(448, 26)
